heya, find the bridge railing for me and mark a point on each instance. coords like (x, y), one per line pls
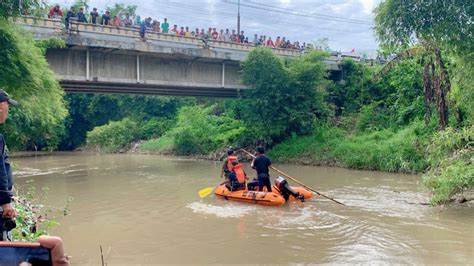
(57, 26)
(53, 24)
(151, 35)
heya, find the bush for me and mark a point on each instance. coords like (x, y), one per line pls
(155, 127)
(451, 154)
(164, 144)
(114, 136)
(386, 150)
(197, 131)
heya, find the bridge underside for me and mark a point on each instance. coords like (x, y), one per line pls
(147, 89)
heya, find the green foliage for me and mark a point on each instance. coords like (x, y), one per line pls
(33, 218)
(13, 8)
(284, 99)
(90, 110)
(52, 42)
(451, 155)
(386, 150)
(462, 90)
(38, 123)
(311, 149)
(355, 89)
(398, 24)
(155, 127)
(198, 130)
(162, 145)
(398, 99)
(113, 136)
(122, 9)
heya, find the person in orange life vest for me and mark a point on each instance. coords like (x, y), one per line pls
(227, 166)
(236, 179)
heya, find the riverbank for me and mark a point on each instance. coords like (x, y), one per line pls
(384, 150)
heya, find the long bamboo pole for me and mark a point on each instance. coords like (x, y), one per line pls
(296, 181)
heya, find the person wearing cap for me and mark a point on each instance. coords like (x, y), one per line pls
(227, 166)
(6, 180)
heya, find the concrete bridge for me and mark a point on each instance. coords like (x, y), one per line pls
(114, 60)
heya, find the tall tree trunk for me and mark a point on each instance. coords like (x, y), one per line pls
(442, 87)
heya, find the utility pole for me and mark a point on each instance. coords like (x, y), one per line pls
(238, 17)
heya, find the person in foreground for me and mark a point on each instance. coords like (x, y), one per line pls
(6, 180)
(261, 164)
(55, 244)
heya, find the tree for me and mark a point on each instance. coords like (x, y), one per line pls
(39, 120)
(435, 26)
(283, 100)
(14, 8)
(122, 9)
(448, 24)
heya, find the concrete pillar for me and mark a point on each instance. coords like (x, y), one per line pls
(138, 68)
(223, 75)
(87, 65)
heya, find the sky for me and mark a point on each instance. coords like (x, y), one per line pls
(347, 24)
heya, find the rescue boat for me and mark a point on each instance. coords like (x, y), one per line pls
(274, 198)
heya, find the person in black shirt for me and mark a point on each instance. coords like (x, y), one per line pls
(261, 163)
(71, 15)
(105, 18)
(81, 17)
(6, 181)
(94, 15)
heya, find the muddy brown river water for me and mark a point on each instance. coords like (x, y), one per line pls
(144, 209)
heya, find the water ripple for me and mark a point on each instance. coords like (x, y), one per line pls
(226, 211)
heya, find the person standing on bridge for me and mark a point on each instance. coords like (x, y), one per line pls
(127, 21)
(6, 180)
(94, 15)
(81, 17)
(261, 164)
(55, 12)
(71, 15)
(165, 26)
(143, 27)
(105, 18)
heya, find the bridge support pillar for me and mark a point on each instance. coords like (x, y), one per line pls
(223, 75)
(87, 65)
(138, 68)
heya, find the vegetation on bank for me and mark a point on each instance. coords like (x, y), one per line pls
(38, 123)
(34, 219)
(385, 150)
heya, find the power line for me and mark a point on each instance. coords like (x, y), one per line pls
(299, 14)
(247, 18)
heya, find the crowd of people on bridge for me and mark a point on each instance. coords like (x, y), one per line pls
(124, 20)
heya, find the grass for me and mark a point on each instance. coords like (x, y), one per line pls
(164, 144)
(385, 150)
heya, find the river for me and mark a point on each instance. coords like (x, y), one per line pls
(144, 209)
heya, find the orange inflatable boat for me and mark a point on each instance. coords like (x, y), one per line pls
(274, 198)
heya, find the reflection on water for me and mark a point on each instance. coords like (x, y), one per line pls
(145, 209)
